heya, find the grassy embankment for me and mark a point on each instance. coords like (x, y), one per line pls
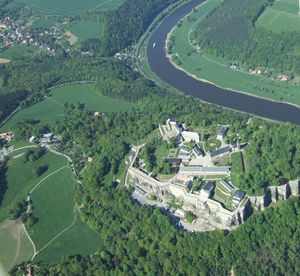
(217, 70)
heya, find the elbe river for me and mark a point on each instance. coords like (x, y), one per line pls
(162, 67)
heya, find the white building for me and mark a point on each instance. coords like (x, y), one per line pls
(189, 136)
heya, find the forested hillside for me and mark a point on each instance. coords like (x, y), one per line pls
(141, 240)
(229, 31)
(123, 26)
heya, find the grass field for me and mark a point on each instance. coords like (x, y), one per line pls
(59, 232)
(16, 51)
(43, 23)
(282, 16)
(216, 70)
(14, 244)
(79, 239)
(86, 29)
(52, 108)
(69, 7)
(19, 184)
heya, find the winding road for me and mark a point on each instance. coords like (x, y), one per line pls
(162, 67)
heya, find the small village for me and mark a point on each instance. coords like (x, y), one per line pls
(14, 33)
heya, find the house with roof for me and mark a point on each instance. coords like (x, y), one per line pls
(173, 161)
(221, 152)
(208, 189)
(190, 136)
(227, 185)
(238, 196)
(222, 132)
(197, 152)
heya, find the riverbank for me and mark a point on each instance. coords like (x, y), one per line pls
(216, 71)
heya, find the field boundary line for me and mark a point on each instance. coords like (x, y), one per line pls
(40, 182)
(33, 146)
(31, 241)
(95, 8)
(53, 100)
(57, 235)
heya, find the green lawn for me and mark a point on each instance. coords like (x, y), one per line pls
(282, 16)
(86, 29)
(69, 7)
(15, 246)
(212, 144)
(20, 183)
(216, 70)
(52, 108)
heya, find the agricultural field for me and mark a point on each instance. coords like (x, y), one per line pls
(69, 7)
(282, 16)
(216, 70)
(52, 108)
(86, 29)
(15, 245)
(59, 231)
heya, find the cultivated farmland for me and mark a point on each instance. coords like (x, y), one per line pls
(281, 16)
(69, 7)
(52, 108)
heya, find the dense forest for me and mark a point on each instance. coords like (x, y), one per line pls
(229, 31)
(125, 25)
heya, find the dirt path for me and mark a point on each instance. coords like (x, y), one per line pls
(58, 235)
(19, 232)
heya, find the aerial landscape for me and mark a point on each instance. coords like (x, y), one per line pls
(149, 137)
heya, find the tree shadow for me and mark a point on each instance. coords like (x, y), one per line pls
(3, 180)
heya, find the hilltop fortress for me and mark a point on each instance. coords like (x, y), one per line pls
(199, 186)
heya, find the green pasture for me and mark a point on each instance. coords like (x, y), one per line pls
(86, 29)
(283, 16)
(59, 231)
(78, 239)
(14, 244)
(216, 70)
(53, 203)
(21, 178)
(43, 23)
(69, 7)
(52, 108)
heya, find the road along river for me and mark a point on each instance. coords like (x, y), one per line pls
(162, 67)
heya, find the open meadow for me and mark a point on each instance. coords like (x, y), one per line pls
(217, 70)
(282, 16)
(69, 7)
(19, 184)
(15, 245)
(52, 108)
(86, 29)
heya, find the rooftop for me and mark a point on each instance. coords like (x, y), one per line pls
(238, 195)
(220, 151)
